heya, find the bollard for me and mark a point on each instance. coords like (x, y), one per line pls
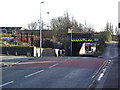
(7, 53)
(16, 54)
(28, 54)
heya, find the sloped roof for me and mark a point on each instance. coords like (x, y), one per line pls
(10, 28)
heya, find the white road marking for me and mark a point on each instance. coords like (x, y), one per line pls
(34, 73)
(53, 65)
(6, 83)
(101, 75)
(99, 69)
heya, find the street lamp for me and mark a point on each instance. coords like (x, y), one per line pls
(40, 28)
(48, 20)
(70, 30)
(71, 42)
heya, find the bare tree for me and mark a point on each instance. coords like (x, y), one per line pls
(87, 28)
(109, 27)
(32, 26)
(90, 29)
(60, 27)
(75, 25)
(116, 31)
(80, 27)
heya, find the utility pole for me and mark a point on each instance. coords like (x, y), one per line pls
(71, 43)
(40, 28)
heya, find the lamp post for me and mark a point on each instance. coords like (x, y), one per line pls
(71, 42)
(48, 19)
(70, 30)
(40, 28)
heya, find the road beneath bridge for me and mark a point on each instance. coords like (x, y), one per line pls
(51, 72)
(60, 72)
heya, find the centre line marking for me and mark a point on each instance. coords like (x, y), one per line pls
(6, 83)
(53, 65)
(34, 73)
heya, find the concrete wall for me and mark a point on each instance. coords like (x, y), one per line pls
(82, 49)
(46, 52)
(28, 51)
(18, 51)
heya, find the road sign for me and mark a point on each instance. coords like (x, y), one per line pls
(96, 39)
(3, 31)
(7, 37)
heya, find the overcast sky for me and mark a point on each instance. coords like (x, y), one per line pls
(18, 13)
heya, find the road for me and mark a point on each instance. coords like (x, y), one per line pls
(111, 51)
(110, 79)
(59, 72)
(51, 72)
(9, 60)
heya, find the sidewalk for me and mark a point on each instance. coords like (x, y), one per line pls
(9, 60)
(110, 79)
(113, 77)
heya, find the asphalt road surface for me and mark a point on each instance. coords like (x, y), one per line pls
(52, 72)
(63, 72)
(111, 77)
(111, 51)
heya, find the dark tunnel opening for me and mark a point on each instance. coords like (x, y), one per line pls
(76, 46)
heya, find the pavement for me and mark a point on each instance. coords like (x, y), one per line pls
(111, 78)
(10, 60)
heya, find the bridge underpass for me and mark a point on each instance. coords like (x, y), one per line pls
(79, 47)
(76, 47)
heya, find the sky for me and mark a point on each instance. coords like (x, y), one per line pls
(18, 13)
